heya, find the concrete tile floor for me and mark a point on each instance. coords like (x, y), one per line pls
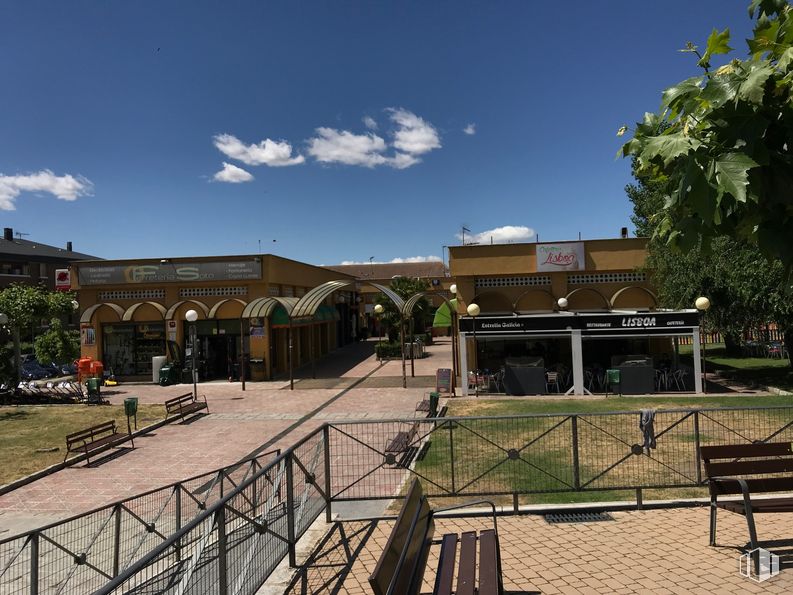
(652, 551)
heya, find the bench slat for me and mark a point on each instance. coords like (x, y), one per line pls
(734, 451)
(488, 563)
(755, 485)
(750, 467)
(88, 446)
(88, 432)
(760, 506)
(466, 574)
(445, 576)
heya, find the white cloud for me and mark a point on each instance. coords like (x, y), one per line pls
(65, 187)
(342, 146)
(470, 130)
(267, 152)
(232, 174)
(408, 259)
(413, 135)
(500, 235)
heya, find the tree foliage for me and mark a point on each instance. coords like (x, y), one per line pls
(58, 344)
(405, 287)
(720, 151)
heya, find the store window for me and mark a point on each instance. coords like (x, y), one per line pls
(129, 348)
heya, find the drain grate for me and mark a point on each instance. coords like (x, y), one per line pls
(577, 517)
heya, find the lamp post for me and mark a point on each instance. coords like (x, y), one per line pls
(378, 311)
(562, 303)
(453, 321)
(473, 311)
(702, 304)
(191, 316)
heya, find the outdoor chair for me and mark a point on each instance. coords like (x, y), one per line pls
(552, 379)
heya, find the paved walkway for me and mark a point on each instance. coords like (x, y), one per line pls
(266, 415)
(653, 551)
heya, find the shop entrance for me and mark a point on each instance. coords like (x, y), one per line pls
(218, 348)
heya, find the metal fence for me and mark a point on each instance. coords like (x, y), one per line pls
(235, 542)
(82, 553)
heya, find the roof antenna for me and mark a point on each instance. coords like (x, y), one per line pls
(19, 234)
(260, 246)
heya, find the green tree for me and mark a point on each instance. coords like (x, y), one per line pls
(745, 289)
(57, 344)
(405, 287)
(719, 148)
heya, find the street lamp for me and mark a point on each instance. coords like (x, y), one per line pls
(378, 311)
(191, 316)
(562, 303)
(702, 304)
(473, 311)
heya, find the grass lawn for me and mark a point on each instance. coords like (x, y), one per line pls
(481, 462)
(530, 405)
(26, 429)
(760, 370)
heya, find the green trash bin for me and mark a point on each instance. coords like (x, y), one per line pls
(613, 379)
(167, 375)
(131, 409)
(434, 399)
(94, 396)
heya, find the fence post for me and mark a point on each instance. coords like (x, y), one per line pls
(696, 446)
(220, 521)
(117, 540)
(290, 511)
(178, 496)
(34, 563)
(326, 440)
(451, 452)
(576, 467)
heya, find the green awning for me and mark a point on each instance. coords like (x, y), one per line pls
(279, 317)
(323, 314)
(443, 317)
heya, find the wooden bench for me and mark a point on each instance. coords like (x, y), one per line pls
(102, 436)
(400, 569)
(727, 468)
(401, 441)
(184, 405)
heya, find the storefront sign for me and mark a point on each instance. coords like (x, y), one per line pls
(560, 257)
(63, 280)
(586, 322)
(443, 380)
(169, 272)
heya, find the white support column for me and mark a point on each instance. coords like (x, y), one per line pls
(462, 350)
(697, 362)
(578, 362)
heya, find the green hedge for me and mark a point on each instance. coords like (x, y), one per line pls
(386, 350)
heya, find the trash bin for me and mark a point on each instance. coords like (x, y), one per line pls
(167, 373)
(131, 406)
(258, 370)
(613, 379)
(94, 396)
(434, 399)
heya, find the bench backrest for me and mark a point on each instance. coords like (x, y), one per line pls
(108, 427)
(742, 460)
(177, 402)
(400, 569)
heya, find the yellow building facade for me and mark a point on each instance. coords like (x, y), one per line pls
(132, 311)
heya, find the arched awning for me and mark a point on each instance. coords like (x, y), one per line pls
(443, 315)
(263, 307)
(86, 316)
(606, 302)
(131, 310)
(214, 310)
(310, 303)
(639, 287)
(172, 310)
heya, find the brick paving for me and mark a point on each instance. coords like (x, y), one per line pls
(265, 416)
(652, 551)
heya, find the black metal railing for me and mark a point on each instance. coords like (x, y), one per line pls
(82, 553)
(237, 540)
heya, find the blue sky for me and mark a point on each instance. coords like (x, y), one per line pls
(349, 129)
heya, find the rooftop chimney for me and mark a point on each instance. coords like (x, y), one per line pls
(8, 234)
(624, 232)
(69, 246)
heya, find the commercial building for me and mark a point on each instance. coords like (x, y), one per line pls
(134, 310)
(555, 317)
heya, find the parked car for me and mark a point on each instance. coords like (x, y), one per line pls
(68, 369)
(32, 370)
(53, 370)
